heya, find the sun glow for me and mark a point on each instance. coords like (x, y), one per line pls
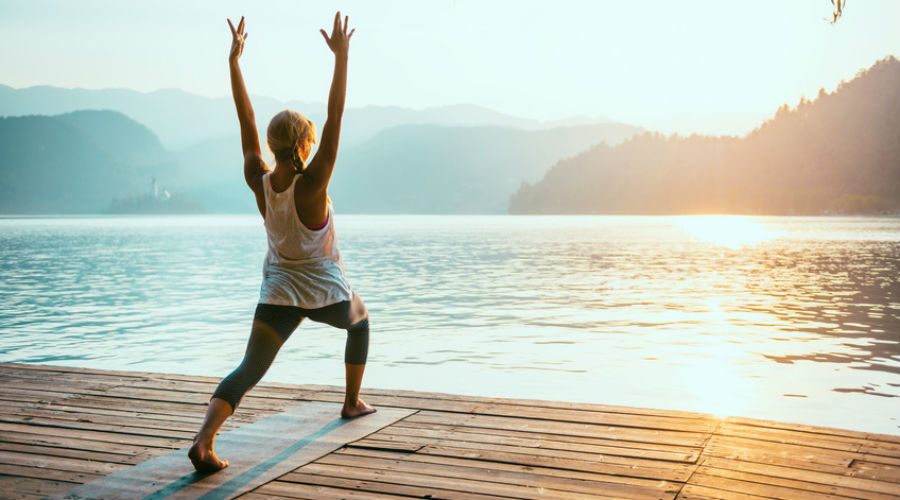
(717, 384)
(731, 231)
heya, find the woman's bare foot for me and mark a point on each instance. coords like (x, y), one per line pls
(361, 408)
(204, 458)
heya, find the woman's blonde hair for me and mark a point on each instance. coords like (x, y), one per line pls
(288, 132)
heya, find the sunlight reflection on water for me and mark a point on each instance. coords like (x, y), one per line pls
(787, 318)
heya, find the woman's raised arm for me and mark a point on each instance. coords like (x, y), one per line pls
(322, 165)
(253, 165)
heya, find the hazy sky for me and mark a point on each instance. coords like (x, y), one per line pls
(710, 66)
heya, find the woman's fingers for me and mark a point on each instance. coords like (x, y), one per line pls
(339, 33)
(241, 26)
(233, 33)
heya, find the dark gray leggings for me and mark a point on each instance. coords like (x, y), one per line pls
(273, 324)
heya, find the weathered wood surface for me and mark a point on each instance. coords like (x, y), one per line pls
(61, 427)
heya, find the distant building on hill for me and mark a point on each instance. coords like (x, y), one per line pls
(156, 203)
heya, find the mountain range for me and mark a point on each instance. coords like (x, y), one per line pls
(76, 151)
(76, 162)
(181, 119)
(450, 159)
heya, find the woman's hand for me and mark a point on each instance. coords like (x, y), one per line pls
(237, 40)
(339, 43)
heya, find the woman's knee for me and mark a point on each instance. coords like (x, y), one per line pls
(357, 349)
(234, 386)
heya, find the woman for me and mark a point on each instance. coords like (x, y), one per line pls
(303, 275)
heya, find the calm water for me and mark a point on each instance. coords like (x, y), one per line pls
(793, 319)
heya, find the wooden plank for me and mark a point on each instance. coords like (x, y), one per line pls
(284, 485)
(65, 418)
(805, 475)
(28, 488)
(380, 444)
(111, 437)
(437, 436)
(447, 404)
(97, 456)
(207, 388)
(159, 407)
(791, 437)
(697, 492)
(259, 453)
(887, 438)
(600, 418)
(66, 379)
(19, 369)
(454, 484)
(13, 367)
(59, 463)
(64, 382)
(737, 473)
(277, 490)
(47, 473)
(391, 400)
(251, 401)
(874, 471)
(70, 443)
(881, 459)
(72, 406)
(14, 398)
(37, 392)
(110, 428)
(469, 470)
(760, 489)
(634, 463)
(665, 472)
(880, 448)
(756, 451)
(557, 438)
(490, 465)
(540, 403)
(764, 457)
(65, 412)
(676, 438)
(812, 429)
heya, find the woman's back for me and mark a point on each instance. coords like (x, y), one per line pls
(289, 239)
(303, 266)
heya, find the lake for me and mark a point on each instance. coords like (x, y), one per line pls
(785, 318)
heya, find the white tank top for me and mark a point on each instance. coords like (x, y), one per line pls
(303, 266)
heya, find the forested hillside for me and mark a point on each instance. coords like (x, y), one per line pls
(77, 162)
(838, 153)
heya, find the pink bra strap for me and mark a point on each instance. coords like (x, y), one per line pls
(320, 226)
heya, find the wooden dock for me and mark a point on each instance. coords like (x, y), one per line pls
(61, 427)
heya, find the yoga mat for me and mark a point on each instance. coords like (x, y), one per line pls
(257, 453)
